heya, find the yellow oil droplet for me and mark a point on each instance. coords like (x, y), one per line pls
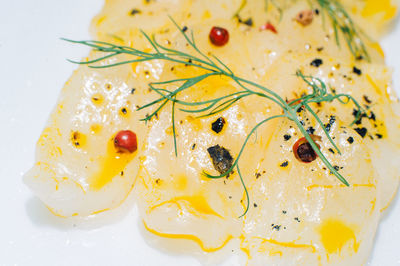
(180, 182)
(78, 139)
(197, 204)
(373, 7)
(195, 122)
(169, 131)
(206, 15)
(97, 99)
(60, 108)
(112, 164)
(335, 235)
(189, 237)
(95, 128)
(378, 48)
(124, 112)
(108, 86)
(101, 20)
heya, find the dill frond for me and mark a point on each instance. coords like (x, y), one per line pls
(215, 67)
(342, 22)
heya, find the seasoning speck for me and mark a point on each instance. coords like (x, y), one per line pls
(365, 97)
(361, 131)
(316, 62)
(221, 158)
(357, 71)
(218, 125)
(276, 227)
(350, 140)
(286, 137)
(135, 12)
(284, 164)
(310, 130)
(248, 22)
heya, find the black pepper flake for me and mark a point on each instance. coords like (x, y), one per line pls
(284, 212)
(316, 11)
(135, 12)
(221, 158)
(184, 29)
(284, 164)
(350, 140)
(337, 168)
(360, 116)
(257, 175)
(248, 22)
(300, 109)
(218, 125)
(310, 130)
(189, 62)
(379, 136)
(357, 71)
(133, 90)
(331, 150)
(365, 97)
(124, 111)
(276, 227)
(361, 131)
(255, 205)
(297, 219)
(332, 120)
(372, 116)
(286, 137)
(319, 49)
(316, 62)
(193, 146)
(122, 173)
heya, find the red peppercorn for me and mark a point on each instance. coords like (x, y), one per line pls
(303, 151)
(219, 36)
(270, 27)
(125, 141)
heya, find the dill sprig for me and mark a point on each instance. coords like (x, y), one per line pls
(212, 66)
(341, 21)
(266, 7)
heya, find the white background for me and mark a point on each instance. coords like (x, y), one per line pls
(33, 69)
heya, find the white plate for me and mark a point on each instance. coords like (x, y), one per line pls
(33, 69)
